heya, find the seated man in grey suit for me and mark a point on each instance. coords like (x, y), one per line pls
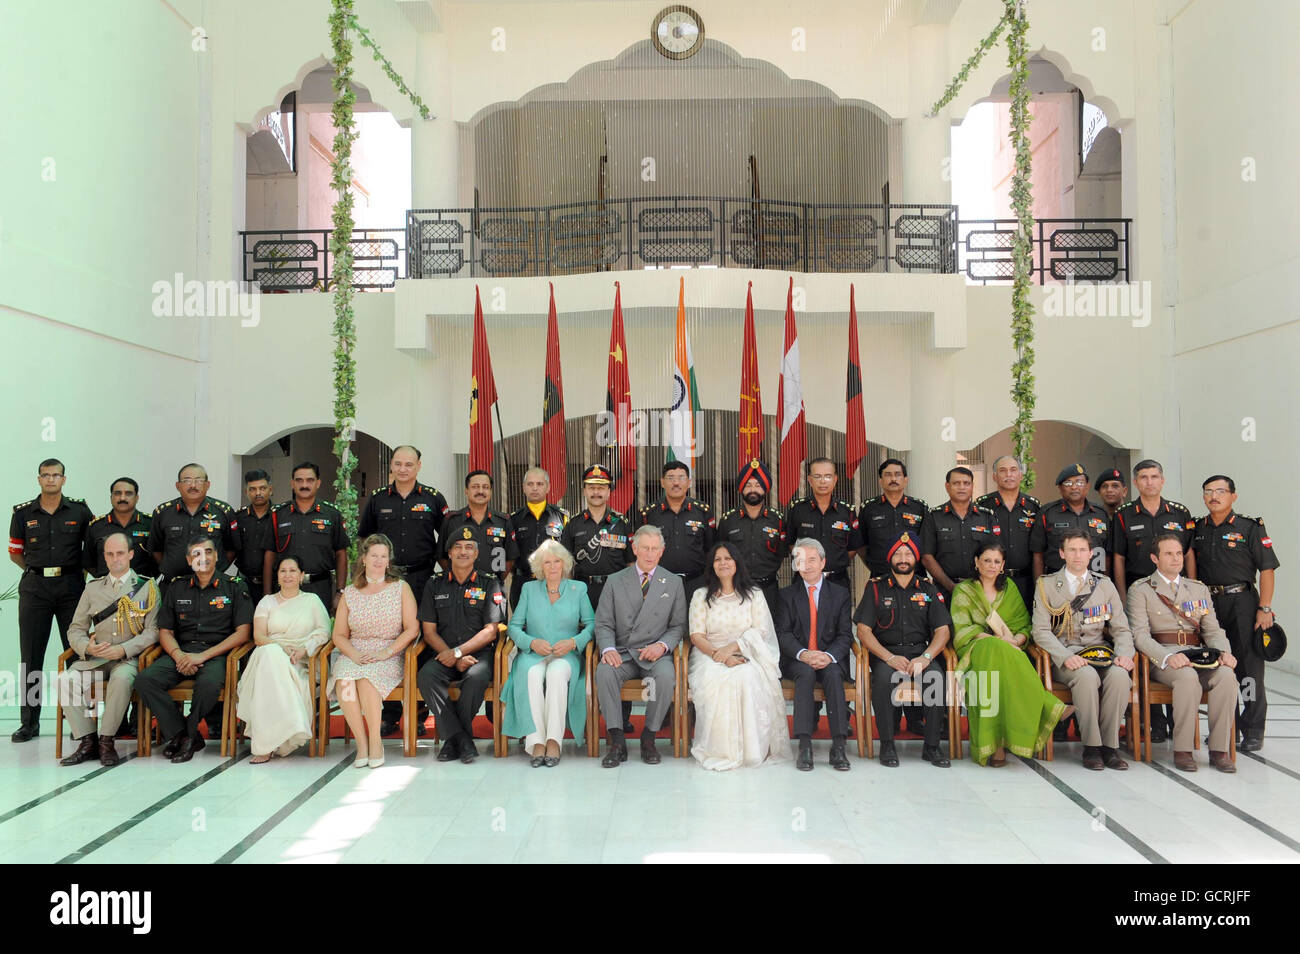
(641, 617)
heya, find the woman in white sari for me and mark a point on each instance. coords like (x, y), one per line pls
(735, 676)
(275, 693)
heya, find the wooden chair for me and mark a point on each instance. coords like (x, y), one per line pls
(1043, 663)
(909, 693)
(318, 671)
(183, 691)
(1158, 694)
(64, 658)
(492, 696)
(632, 690)
(313, 665)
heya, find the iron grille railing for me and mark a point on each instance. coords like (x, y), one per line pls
(585, 237)
(301, 260)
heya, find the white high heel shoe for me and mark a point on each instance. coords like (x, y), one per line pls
(360, 763)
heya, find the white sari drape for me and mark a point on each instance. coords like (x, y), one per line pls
(740, 714)
(275, 696)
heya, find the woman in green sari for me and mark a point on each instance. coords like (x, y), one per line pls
(1006, 704)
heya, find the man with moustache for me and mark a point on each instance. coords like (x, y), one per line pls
(883, 519)
(250, 528)
(533, 523)
(1112, 490)
(123, 517)
(311, 530)
(490, 529)
(757, 530)
(1072, 512)
(952, 533)
(826, 519)
(903, 621)
(600, 539)
(686, 523)
(1014, 513)
(203, 617)
(182, 518)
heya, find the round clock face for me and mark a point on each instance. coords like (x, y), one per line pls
(677, 32)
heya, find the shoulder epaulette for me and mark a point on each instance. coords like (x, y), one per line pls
(25, 503)
(97, 519)
(1177, 506)
(74, 500)
(798, 500)
(845, 504)
(220, 504)
(729, 513)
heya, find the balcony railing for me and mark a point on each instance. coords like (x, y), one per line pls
(687, 231)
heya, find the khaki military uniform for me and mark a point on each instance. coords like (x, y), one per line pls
(1100, 696)
(1159, 632)
(120, 629)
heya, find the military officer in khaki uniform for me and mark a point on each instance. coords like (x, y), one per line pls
(1073, 610)
(1170, 613)
(116, 620)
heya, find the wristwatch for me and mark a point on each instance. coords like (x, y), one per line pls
(456, 652)
(1265, 609)
(928, 657)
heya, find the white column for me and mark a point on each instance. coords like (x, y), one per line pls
(934, 416)
(926, 142)
(434, 143)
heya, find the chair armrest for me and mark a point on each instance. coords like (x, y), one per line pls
(149, 656)
(1040, 663)
(500, 662)
(232, 660)
(64, 657)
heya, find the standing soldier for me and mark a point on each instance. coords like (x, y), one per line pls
(1014, 513)
(490, 529)
(823, 518)
(250, 527)
(534, 522)
(191, 514)
(46, 539)
(411, 515)
(952, 533)
(757, 530)
(1137, 524)
(1230, 549)
(123, 518)
(313, 531)
(600, 539)
(883, 519)
(1112, 490)
(687, 525)
(1071, 512)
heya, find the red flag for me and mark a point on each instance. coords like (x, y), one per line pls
(855, 426)
(750, 437)
(790, 413)
(618, 404)
(482, 395)
(555, 449)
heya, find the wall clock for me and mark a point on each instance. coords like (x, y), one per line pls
(677, 32)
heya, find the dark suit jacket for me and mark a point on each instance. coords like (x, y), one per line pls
(834, 625)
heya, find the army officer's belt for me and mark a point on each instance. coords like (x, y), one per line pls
(1176, 639)
(1230, 588)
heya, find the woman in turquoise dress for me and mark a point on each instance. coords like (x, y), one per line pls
(1006, 704)
(552, 625)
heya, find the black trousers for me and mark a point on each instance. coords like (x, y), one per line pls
(1236, 613)
(322, 586)
(42, 600)
(1024, 580)
(807, 711)
(933, 690)
(153, 683)
(435, 679)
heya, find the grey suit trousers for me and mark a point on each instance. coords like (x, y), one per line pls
(609, 683)
(1099, 701)
(1188, 684)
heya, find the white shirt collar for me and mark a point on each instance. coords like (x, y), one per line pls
(1173, 584)
(119, 580)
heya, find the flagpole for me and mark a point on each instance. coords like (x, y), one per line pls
(504, 457)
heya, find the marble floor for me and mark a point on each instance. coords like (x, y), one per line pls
(304, 810)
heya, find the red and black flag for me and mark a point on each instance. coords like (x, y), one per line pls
(555, 450)
(618, 405)
(750, 436)
(855, 427)
(482, 395)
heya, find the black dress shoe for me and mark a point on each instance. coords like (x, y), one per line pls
(421, 730)
(1092, 758)
(173, 745)
(450, 749)
(189, 745)
(839, 761)
(108, 752)
(468, 751)
(804, 762)
(1111, 759)
(936, 756)
(888, 755)
(386, 727)
(616, 753)
(649, 754)
(1251, 743)
(87, 749)
(1158, 734)
(24, 734)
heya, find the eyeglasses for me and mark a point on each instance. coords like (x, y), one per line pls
(1215, 493)
(193, 481)
(49, 476)
(821, 476)
(1079, 482)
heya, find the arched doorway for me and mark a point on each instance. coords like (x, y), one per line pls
(316, 444)
(1056, 444)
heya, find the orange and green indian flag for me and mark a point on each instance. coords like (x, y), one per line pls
(686, 393)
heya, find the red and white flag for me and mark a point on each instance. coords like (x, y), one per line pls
(790, 413)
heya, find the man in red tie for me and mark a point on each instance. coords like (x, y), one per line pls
(815, 633)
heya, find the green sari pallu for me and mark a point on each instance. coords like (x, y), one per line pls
(1006, 704)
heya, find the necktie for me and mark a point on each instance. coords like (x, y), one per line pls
(645, 585)
(812, 618)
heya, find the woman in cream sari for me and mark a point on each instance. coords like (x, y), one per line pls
(275, 693)
(1006, 704)
(735, 675)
